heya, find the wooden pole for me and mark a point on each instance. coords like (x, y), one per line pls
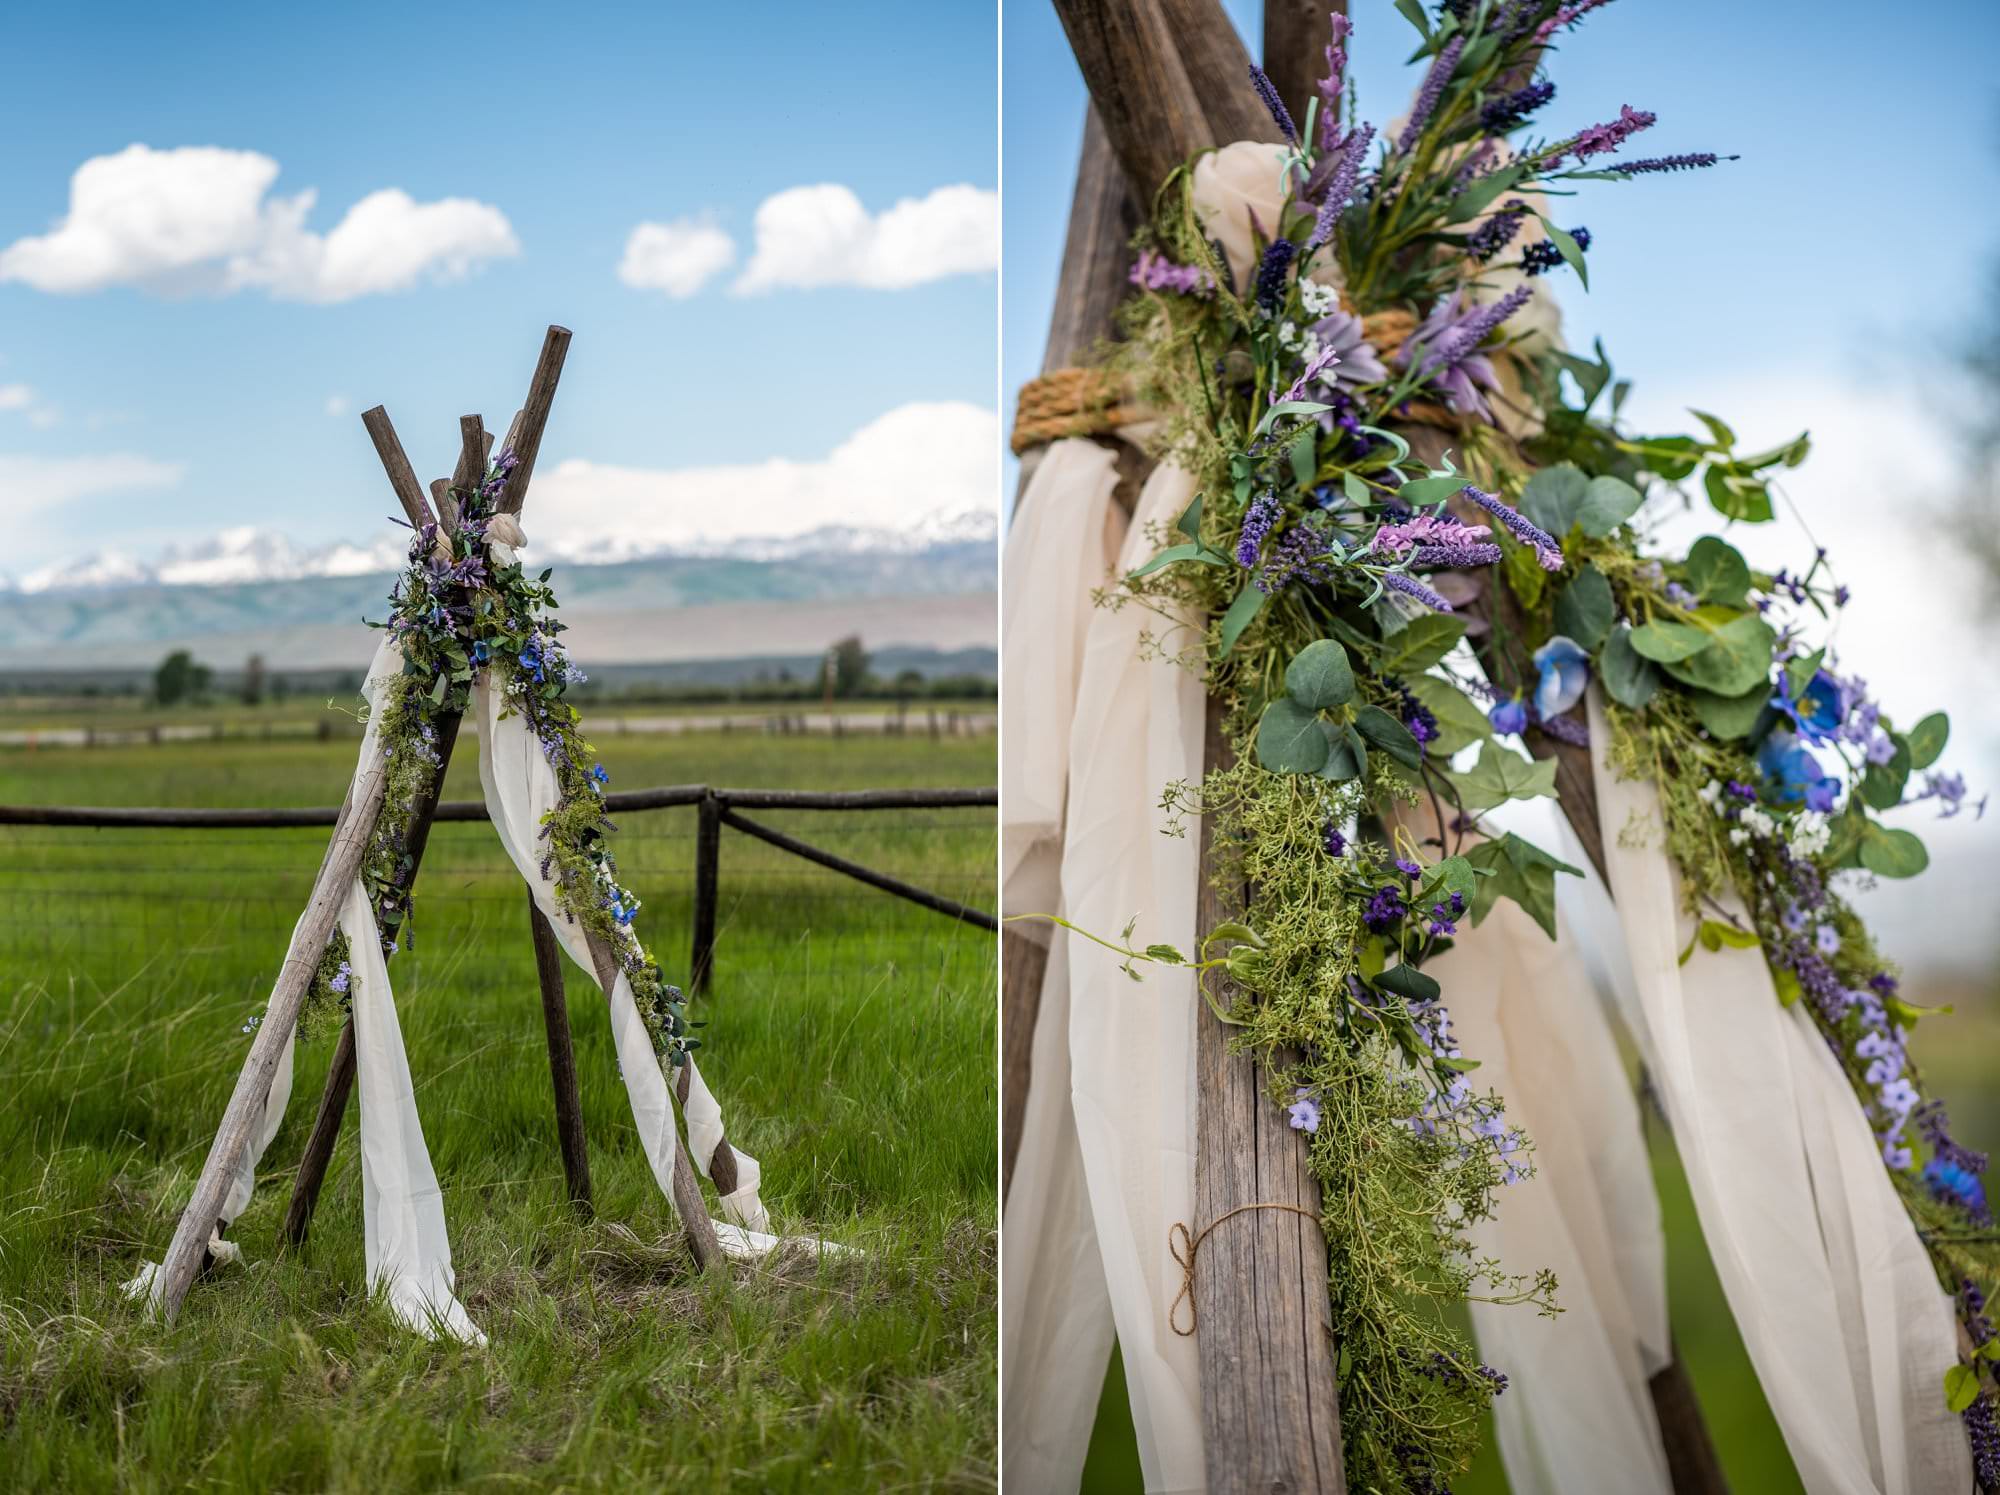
(1296, 33)
(562, 1059)
(525, 438)
(707, 863)
(396, 462)
(1132, 64)
(1270, 1406)
(281, 1016)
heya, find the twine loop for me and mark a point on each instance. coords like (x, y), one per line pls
(1178, 1233)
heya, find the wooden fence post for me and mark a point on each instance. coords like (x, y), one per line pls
(562, 1059)
(707, 860)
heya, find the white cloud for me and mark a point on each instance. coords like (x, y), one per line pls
(336, 405)
(820, 236)
(43, 416)
(678, 258)
(35, 490)
(197, 220)
(16, 397)
(915, 461)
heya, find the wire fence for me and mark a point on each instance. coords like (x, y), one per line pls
(97, 895)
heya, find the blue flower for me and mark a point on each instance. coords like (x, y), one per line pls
(1509, 718)
(1303, 1113)
(1819, 710)
(598, 775)
(1795, 774)
(480, 652)
(531, 659)
(1565, 671)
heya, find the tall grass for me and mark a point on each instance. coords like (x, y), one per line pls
(850, 1038)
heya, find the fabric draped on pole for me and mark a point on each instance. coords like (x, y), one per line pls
(407, 1250)
(1838, 1305)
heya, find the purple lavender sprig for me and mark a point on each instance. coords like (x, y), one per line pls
(1442, 67)
(1268, 92)
(1270, 284)
(1497, 232)
(1340, 186)
(1566, 15)
(1258, 521)
(1692, 161)
(1524, 529)
(1464, 339)
(1512, 109)
(1409, 586)
(1330, 86)
(1320, 362)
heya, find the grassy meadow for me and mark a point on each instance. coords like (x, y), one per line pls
(850, 1039)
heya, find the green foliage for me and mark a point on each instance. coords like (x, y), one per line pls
(1520, 870)
(1584, 609)
(1501, 774)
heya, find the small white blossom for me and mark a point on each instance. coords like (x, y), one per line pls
(1318, 299)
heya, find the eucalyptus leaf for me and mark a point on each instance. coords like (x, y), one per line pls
(1390, 735)
(1200, 554)
(1628, 676)
(1892, 853)
(1737, 659)
(1961, 1388)
(1189, 523)
(1927, 739)
(1553, 497)
(1607, 503)
(1289, 739)
(1249, 602)
(1421, 643)
(1320, 675)
(1729, 718)
(1347, 755)
(1664, 641)
(1723, 436)
(1737, 494)
(1421, 493)
(1407, 981)
(1584, 609)
(1717, 572)
(1882, 783)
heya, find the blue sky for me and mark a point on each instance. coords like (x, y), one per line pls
(1820, 281)
(576, 124)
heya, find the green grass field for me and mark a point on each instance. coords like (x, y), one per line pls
(850, 1039)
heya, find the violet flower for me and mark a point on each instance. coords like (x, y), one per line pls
(1155, 272)
(1692, 161)
(1409, 586)
(1268, 92)
(1258, 520)
(1497, 232)
(1509, 718)
(1442, 67)
(1599, 139)
(1512, 109)
(1524, 529)
(1340, 185)
(1356, 363)
(1270, 283)
(1330, 86)
(1445, 347)
(1566, 15)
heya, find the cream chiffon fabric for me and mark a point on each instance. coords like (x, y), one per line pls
(1833, 1292)
(407, 1250)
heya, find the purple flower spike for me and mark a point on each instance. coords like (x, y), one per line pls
(1330, 86)
(1257, 524)
(1268, 92)
(1524, 529)
(1409, 586)
(1693, 161)
(1442, 67)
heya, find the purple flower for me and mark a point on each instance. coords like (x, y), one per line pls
(1681, 597)
(1566, 729)
(1410, 587)
(1509, 718)
(1565, 672)
(1257, 523)
(1566, 15)
(1442, 67)
(1448, 342)
(1949, 790)
(1302, 1115)
(1409, 869)
(1819, 709)
(1330, 85)
(1828, 940)
(1385, 910)
(1356, 362)
(1268, 92)
(1983, 1432)
(1510, 109)
(1497, 232)
(1340, 184)
(1332, 840)
(1693, 161)
(341, 977)
(1155, 272)
(1524, 529)
(1300, 553)
(1271, 271)
(1315, 368)
(1598, 139)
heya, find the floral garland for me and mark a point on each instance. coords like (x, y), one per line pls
(1335, 565)
(461, 607)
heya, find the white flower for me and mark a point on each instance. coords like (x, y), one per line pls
(1318, 299)
(1738, 836)
(1710, 794)
(505, 529)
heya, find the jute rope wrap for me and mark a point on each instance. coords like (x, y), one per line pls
(1094, 402)
(1184, 1256)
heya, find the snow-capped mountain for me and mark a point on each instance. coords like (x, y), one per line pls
(247, 553)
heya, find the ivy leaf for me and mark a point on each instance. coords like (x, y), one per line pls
(1289, 739)
(1390, 735)
(1249, 602)
(1553, 497)
(1519, 870)
(1452, 875)
(1422, 643)
(1607, 503)
(1584, 610)
(1666, 642)
(1460, 721)
(1737, 659)
(1502, 774)
(1717, 572)
(1961, 1388)
(1927, 739)
(1627, 674)
(1320, 675)
(1892, 853)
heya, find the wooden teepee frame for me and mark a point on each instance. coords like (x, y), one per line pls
(1168, 78)
(352, 832)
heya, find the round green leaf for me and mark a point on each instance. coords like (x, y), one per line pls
(1627, 674)
(1738, 658)
(1892, 853)
(1927, 739)
(1320, 676)
(1666, 641)
(1347, 754)
(1729, 717)
(1553, 497)
(1882, 784)
(1584, 609)
(1717, 572)
(1289, 739)
(1607, 503)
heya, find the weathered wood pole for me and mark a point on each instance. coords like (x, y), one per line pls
(281, 1016)
(707, 864)
(562, 1059)
(1270, 1407)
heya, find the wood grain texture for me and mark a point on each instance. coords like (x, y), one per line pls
(1295, 38)
(313, 1163)
(1218, 68)
(1145, 100)
(707, 869)
(562, 1059)
(1270, 1407)
(281, 1017)
(525, 439)
(396, 463)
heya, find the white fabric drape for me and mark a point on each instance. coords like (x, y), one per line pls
(1578, 1415)
(1838, 1307)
